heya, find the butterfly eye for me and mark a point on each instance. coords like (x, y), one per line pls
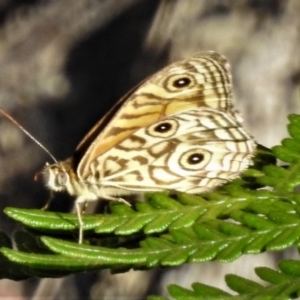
(61, 178)
(178, 82)
(181, 82)
(163, 129)
(195, 159)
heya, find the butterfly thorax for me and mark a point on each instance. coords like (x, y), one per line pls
(61, 176)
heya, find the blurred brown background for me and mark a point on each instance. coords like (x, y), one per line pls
(64, 63)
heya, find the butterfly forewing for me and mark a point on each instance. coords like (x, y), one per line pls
(201, 81)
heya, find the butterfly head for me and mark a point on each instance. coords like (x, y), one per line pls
(57, 176)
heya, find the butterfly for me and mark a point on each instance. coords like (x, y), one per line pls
(177, 131)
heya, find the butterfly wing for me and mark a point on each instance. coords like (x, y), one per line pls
(200, 81)
(191, 151)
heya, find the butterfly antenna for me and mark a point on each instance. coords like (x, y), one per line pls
(5, 114)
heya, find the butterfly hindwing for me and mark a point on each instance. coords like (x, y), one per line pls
(191, 151)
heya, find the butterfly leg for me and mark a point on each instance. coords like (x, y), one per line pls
(46, 205)
(121, 200)
(115, 199)
(79, 210)
(81, 204)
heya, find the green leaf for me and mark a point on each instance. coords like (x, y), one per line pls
(271, 275)
(242, 285)
(290, 267)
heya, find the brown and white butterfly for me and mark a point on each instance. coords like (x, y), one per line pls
(176, 131)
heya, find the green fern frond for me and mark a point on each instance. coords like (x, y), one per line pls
(285, 178)
(284, 284)
(174, 232)
(256, 213)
